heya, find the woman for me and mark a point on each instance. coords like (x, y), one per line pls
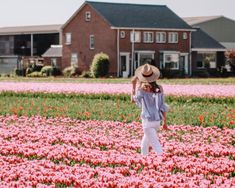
(150, 99)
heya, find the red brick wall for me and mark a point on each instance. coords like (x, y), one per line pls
(105, 40)
(47, 61)
(182, 45)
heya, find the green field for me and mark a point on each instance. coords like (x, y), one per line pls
(183, 110)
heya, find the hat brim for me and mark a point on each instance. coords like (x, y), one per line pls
(152, 78)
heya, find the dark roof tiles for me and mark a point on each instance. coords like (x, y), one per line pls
(139, 16)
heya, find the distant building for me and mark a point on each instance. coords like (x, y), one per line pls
(17, 42)
(131, 35)
(53, 56)
(220, 28)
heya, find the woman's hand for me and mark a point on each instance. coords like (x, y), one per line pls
(165, 127)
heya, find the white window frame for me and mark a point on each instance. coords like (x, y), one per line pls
(148, 37)
(165, 59)
(74, 59)
(88, 16)
(122, 34)
(68, 38)
(54, 62)
(92, 42)
(135, 37)
(185, 35)
(160, 37)
(173, 37)
(203, 62)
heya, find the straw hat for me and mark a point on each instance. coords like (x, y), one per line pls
(147, 73)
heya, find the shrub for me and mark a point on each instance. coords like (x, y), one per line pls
(100, 65)
(18, 72)
(47, 70)
(50, 71)
(86, 74)
(35, 74)
(70, 71)
(201, 73)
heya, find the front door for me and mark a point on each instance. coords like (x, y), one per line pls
(124, 65)
(184, 63)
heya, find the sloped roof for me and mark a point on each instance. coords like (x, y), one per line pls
(53, 51)
(30, 29)
(201, 40)
(139, 15)
(123, 15)
(199, 19)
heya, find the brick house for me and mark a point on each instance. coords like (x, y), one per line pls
(130, 34)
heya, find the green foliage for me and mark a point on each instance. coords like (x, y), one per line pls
(50, 71)
(47, 70)
(100, 65)
(18, 72)
(188, 111)
(70, 71)
(35, 74)
(86, 74)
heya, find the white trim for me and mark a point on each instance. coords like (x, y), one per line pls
(88, 16)
(118, 52)
(9, 56)
(28, 33)
(145, 51)
(132, 54)
(160, 29)
(90, 37)
(68, 42)
(190, 55)
(208, 49)
(146, 33)
(169, 52)
(31, 45)
(125, 73)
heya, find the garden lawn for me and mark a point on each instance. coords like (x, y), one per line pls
(65, 152)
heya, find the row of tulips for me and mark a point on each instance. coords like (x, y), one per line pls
(59, 152)
(97, 88)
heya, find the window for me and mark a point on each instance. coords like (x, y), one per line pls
(185, 35)
(171, 61)
(68, 38)
(206, 60)
(148, 37)
(92, 42)
(74, 59)
(122, 34)
(173, 37)
(160, 37)
(88, 16)
(135, 36)
(53, 62)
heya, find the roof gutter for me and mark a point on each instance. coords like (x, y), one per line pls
(143, 28)
(209, 49)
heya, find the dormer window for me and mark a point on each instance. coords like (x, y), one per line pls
(88, 16)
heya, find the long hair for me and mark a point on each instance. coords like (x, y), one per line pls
(154, 87)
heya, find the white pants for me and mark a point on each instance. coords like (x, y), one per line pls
(150, 137)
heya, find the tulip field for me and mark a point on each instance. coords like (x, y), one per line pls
(88, 135)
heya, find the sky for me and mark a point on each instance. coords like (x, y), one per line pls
(43, 12)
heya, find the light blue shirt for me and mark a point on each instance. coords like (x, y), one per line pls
(152, 105)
